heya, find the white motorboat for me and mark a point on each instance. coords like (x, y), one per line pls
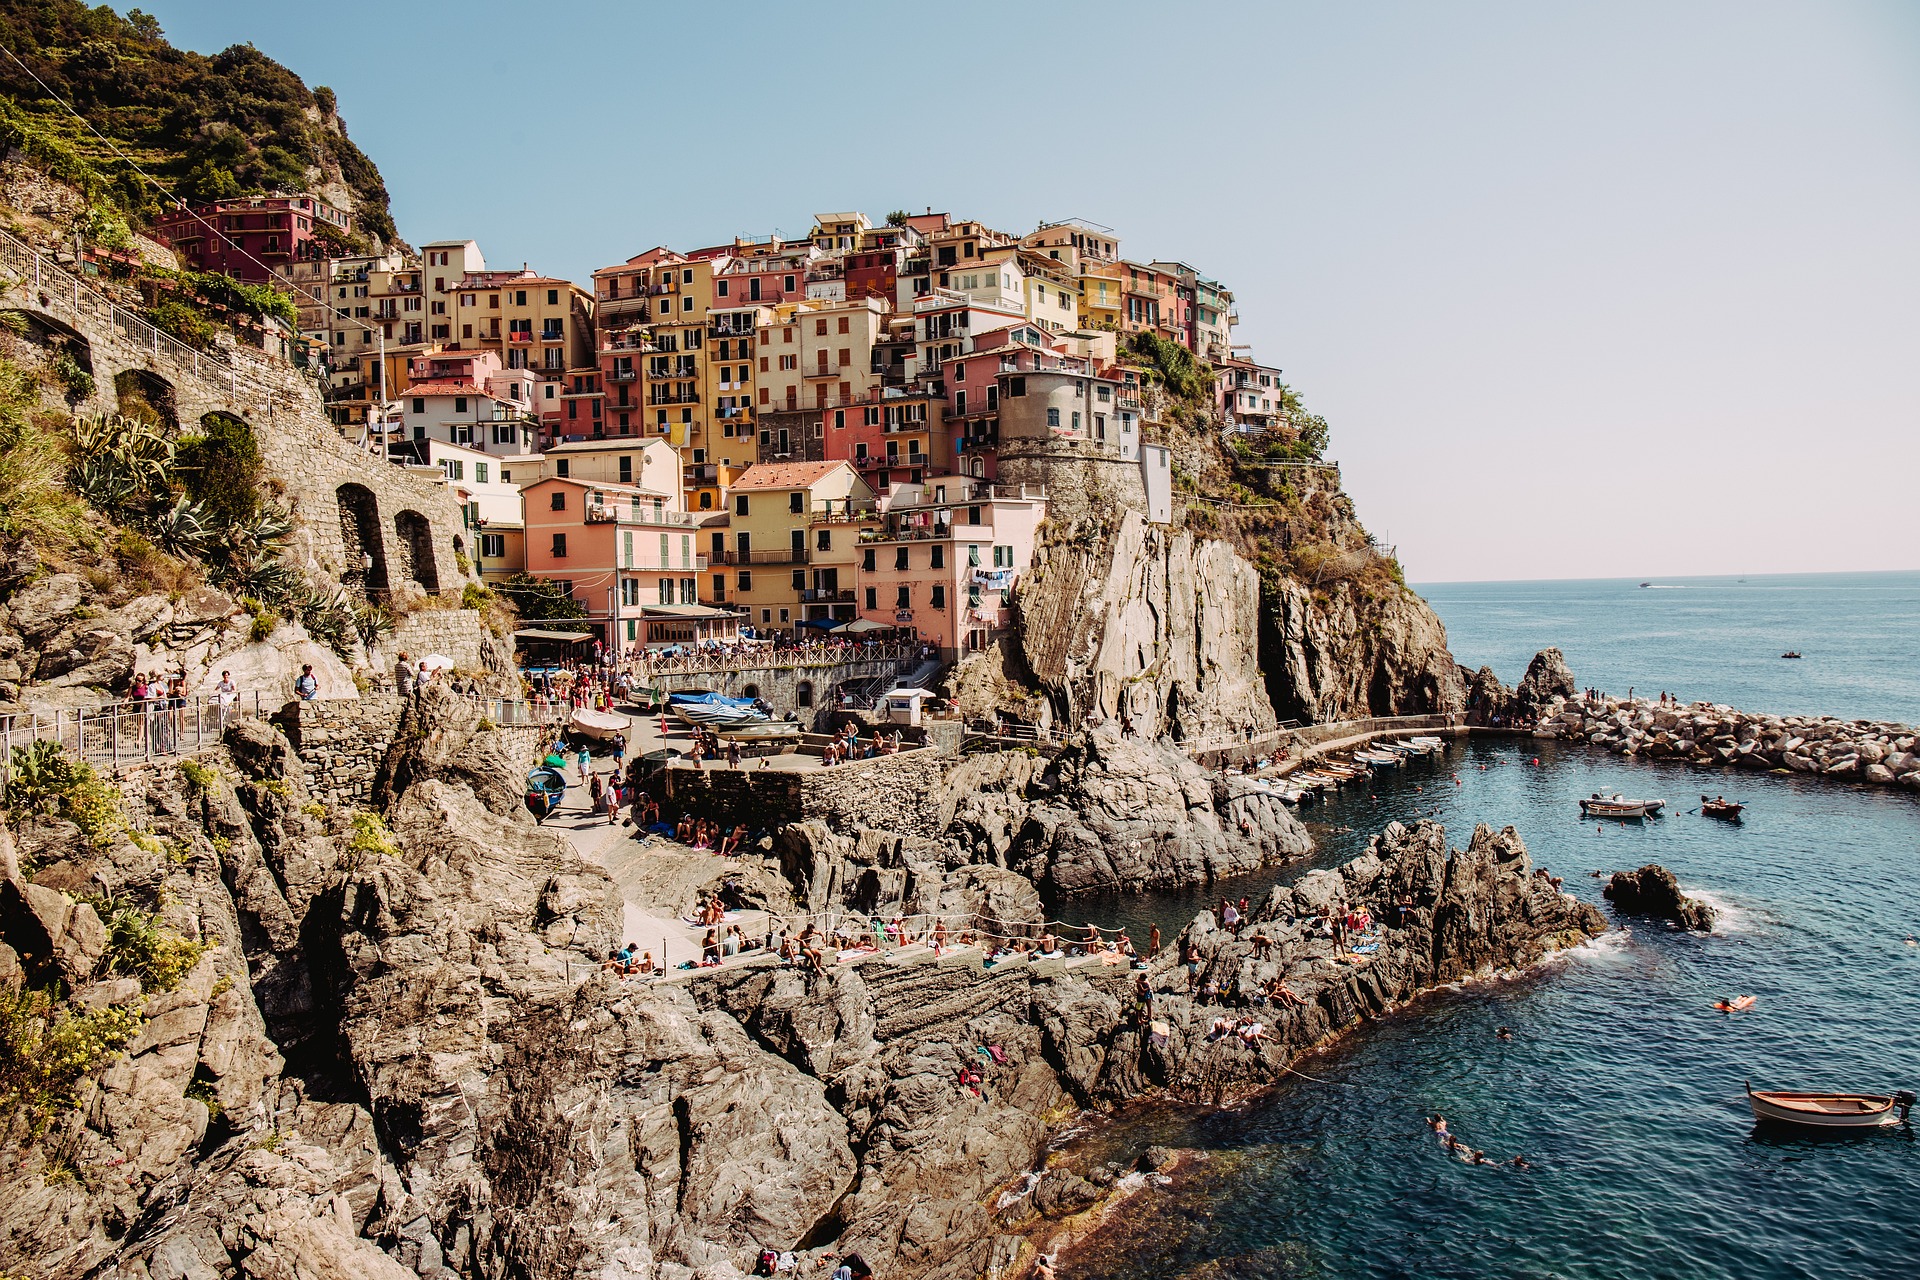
(1830, 1110)
(1618, 806)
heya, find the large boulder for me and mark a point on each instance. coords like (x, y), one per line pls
(1652, 891)
(1487, 695)
(1548, 677)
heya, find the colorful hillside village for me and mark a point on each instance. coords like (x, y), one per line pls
(768, 437)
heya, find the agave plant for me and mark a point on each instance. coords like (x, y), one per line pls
(138, 447)
(273, 582)
(373, 622)
(181, 529)
(103, 483)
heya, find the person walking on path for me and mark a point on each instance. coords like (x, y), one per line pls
(306, 685)
(225, 694)
(404, 677)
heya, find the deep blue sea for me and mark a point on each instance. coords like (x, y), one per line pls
(1714, 638)
(1621, 1084)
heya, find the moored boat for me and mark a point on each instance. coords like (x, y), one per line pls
(760, 731)
(599, 725)
(1830, 1110)
(1726, 810)
(1618, 806)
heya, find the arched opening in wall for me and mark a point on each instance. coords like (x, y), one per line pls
(413, 544)
(366, 550)
(751, 691)
(979, 468)
(64, 352)
(803, 695)
(706, 502)
(147, 397)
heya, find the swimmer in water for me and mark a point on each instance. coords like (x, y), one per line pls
(1503, 1034)
(1437, 1123)
(1911, 942)
(1520, 1163)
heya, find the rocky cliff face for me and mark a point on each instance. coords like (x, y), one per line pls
(1149, 626)
(1346, 651)
(398, 1057)
(1179, 637)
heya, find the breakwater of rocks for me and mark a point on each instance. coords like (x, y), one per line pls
(1715, 736)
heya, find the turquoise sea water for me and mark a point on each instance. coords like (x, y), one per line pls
(1621, 1084)
(1714, 638)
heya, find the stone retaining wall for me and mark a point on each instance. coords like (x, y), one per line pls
(887, 792)
(411, 527)
(341, 744)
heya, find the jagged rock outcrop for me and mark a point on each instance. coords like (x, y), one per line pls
(1486, 696)
(1652, 891)
(1115, 812)
(1548, 680)
(464, 1091)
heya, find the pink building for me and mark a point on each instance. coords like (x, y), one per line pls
(623, 552)
(947, 558)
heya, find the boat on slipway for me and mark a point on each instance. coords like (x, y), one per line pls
(709, 710)
(1618, 806)
(1831, 1111)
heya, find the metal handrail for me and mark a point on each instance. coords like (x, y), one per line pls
(128, 731)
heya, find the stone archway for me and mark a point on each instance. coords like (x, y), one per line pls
(147, 396)
(360, 536)
(413, 545)
(68, 354)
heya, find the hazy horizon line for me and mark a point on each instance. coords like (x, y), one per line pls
(1657, 578)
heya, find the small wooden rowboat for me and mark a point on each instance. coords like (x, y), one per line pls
(1729, 810)
(1831, 1110)
(1616, 806)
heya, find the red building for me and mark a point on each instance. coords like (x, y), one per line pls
(247, 237)
(873, 273)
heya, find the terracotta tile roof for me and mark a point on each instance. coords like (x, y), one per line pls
(443, 389)
(784, 475)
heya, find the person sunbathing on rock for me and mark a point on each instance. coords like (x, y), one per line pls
(1282, 992)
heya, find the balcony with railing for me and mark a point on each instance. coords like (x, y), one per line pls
(645, 514)
(684, 397)
(827, 595)
(520, 336)
(621, 375)
(783, 555)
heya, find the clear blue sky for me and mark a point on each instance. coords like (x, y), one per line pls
(1584, 290)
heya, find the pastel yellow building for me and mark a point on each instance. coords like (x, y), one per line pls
(773, 535)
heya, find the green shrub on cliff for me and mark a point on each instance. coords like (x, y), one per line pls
(368, 840)
(34, 505)
(47, 1049)
(44, 781)
(140, 946)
